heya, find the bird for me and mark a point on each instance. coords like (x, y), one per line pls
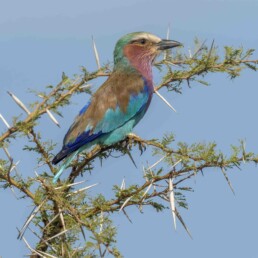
(121, 102)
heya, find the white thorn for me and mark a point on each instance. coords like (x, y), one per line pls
(126, 201)
(156, 163)
(168, 62)
(154, 186)
(40, 238)
(147, 190)
(40, 164)
(144, 173)
(83, 189)
(96, 53)
(34, 233)
(29, 247)
(85, 86)
(122, 187)
(7, 153)
(164, 100)
(46, 242)
(41, 96)
(243, 146)
(228, 181)
(101, 223)
(73, 184)
(172, 200)
(164, 197)
(51, 220)
(190, 53)
(52, 117)
(183, 223)
(57, 235)
(76, 80)
(14, 166)
(32, 215)
(5, 122)
(199, 48)
(195, 172)
(11, 187)
(62, 218)
(46, 254)
(168, 32)
(176, 163)
(19, 103)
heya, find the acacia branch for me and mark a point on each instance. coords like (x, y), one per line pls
(82, 211)
(42, 107)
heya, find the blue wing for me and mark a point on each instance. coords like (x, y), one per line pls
(112, 119)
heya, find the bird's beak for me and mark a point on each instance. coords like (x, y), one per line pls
(167, 44)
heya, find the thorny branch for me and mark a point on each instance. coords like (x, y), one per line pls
(62, 215)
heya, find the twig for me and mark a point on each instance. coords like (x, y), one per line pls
(125, 213)
(209, 54)
(199, 49)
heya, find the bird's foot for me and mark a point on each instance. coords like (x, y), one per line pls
(133, 138)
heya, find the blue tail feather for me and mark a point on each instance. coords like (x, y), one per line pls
(64, 166)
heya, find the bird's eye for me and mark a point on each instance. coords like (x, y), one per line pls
(142, 41)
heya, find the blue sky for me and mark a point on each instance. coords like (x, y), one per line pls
(40, 40)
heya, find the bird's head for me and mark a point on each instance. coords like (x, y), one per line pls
(139, 49)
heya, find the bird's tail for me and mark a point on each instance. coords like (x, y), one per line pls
(60, 156)
(64, 165)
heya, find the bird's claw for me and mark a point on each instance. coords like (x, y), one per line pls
(133, 138)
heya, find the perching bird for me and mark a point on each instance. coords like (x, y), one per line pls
(121, 102)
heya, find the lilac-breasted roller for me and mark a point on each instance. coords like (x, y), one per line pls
(121, 102)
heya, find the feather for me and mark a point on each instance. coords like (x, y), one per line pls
(107, 118)
(64, 166)
(121, 102)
